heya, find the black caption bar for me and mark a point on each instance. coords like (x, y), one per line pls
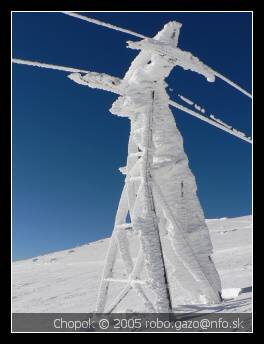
(131, 322)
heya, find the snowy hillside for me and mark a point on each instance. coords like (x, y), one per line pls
(68, 281)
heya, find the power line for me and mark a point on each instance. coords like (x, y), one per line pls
(99, 22)
(231, 83)
(49, 66)
(117, 28)
(208, 120)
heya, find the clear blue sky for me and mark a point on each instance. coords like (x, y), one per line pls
(67, 147)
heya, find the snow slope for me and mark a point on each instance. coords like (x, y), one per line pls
(68, 281)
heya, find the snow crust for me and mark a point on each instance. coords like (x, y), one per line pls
(230, 293)
(68, 280)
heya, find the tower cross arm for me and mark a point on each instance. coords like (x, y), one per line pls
(177, 56)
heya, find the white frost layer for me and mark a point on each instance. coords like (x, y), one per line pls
(220, 121)
(197, 107)
(186, 100)
(179, 212)
(176, 55)
(239, 132)
(190, 102)
(98, 80)
(49, 66)
(101, 23)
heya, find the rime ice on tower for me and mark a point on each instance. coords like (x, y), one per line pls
(173, 264)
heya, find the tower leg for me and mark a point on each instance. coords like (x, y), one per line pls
(117, 241)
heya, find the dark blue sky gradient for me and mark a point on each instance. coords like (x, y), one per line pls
(67, 147)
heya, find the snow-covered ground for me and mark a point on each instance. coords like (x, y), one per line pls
(68, 281)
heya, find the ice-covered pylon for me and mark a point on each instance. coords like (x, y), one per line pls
(173, 264)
